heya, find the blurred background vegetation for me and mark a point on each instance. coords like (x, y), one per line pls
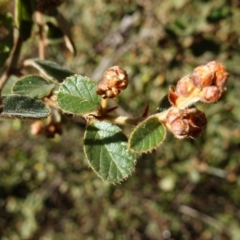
(186, 189)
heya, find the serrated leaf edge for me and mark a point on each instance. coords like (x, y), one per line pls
(69, 78)
(151, 149)
(104, 180)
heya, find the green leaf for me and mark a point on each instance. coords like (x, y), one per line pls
(24, 21)
(77, 95)
(50, 69)
(6, 37)
(32, 86)
(7, 88)
(147, 135)
(105, 147)
(15, 106)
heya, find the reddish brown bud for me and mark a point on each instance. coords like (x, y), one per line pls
(114, 80)
(37, 127)
(52, 129)
(210, 94)
(172, 115)
(211, 74)
(197, 121)
(185, 86)
(202, 76)
(178, 126)
(220, 74)
(186, 123)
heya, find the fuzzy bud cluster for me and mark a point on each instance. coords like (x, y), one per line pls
(207, 83)
(49, 130)
(186, 123)
(114, 80)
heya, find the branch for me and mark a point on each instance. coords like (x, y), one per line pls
(41, 44)
(13, 63)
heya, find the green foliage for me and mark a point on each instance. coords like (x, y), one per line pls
(50, 69)
(147, 135)
(15, 106)
(32, 86)
(106, 149)
(77, 95)
(185, 188)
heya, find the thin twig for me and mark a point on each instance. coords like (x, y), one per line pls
(123, 120)
(41, 44)
(13, 63)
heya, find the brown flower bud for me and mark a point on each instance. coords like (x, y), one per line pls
(220, 74)
(36, 127)
(114, 80)
(172, 115)
(185, 86)
(210, 94)
(186, 123)
(202, 76)
(197, 121)
(52, 129)
(178, 126)
(213, 73)
(197, 118)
